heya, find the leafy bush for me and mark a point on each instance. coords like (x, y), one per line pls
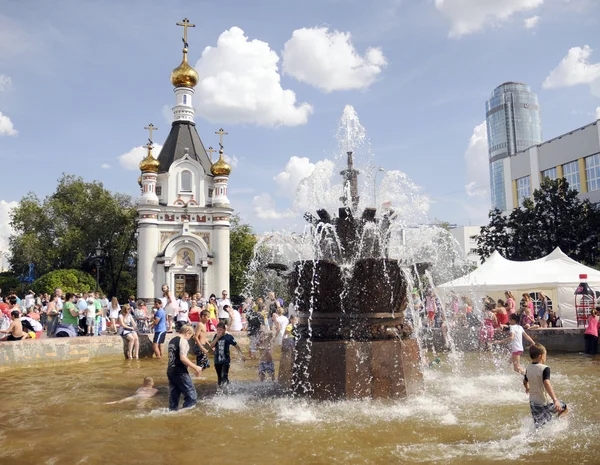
(67, 280)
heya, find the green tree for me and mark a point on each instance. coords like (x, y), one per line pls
(63, 231)
(67, 280)
(555, 217)
(241, 249)
(9, 282)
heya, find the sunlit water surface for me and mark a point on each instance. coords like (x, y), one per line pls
(473, 414)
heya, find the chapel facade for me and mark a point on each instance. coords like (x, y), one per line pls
(184, 212)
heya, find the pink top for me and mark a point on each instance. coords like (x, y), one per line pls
(592, 326)
(510, 306)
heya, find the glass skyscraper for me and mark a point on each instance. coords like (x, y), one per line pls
(513, 124)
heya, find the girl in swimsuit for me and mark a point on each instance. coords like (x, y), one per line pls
(15, 330)
(128, 331)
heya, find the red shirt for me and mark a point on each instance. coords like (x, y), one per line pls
(195, 315)
(592, 326)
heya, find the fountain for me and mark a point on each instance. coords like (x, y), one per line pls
(353, 339)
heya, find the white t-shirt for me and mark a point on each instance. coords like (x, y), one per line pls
(91, 309)
(236, 324)
(59, 303)
(104, 303)
(29, 301)
(183, 305)
(283, 322)
(221, 303)
(516, 345)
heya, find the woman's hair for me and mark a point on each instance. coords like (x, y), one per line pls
(114, 302)
(509, 295)
(280, 311)
(212, 296)
(526, 297)
(125, 309)
(500, 303)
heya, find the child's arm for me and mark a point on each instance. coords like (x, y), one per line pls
(550, 392)
(214, 341)
(241, 353)
(508, 339)
(528, 337)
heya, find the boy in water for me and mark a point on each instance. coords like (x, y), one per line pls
(266, 364)
(145, 392)
(222, 341)
(542, 400)
(516, 342)
(202, 346)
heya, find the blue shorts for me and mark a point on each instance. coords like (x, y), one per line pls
(159, 338)
(266, 367)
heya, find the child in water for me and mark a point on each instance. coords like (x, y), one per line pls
(146, 391)
(266, 364)
(542, 400)
(516, 342)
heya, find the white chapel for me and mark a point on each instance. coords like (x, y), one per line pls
(183, 212)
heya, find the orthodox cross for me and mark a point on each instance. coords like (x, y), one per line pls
(185, 23)
(150, 128)
(221, 133)
(211, 150)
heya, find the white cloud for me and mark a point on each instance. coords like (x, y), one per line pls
(240, 83)
(532, 22)
(105, 166)
(264, 208)
(131, 160)
(329, 61)
(574, 69)
(5, 83)
(232, 160)
(5, 228)
(469, 16)
(296, 169)
(6, 126)
(476, 159)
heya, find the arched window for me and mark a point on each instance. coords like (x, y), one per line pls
(186, 181)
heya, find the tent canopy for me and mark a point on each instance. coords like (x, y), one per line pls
(500, 274)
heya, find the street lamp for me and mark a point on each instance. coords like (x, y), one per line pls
(98, 259)
(376, 169)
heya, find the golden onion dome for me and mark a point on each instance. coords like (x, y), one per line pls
(220, 167)
(184, 75)
(149, 164)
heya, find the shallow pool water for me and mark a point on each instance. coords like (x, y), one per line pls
(472, 411)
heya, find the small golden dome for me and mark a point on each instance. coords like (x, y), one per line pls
(140, 181)
(149, 164)
(184, 75)
(220, 167)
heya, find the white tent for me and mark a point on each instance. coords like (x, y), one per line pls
(555, 274)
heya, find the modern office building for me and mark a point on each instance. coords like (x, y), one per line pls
(574, 156)
(513, 124)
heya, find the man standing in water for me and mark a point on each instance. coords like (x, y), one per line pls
(180, 382)
(160, 328)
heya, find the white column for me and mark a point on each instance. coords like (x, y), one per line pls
(149, 196)
(221, 252)
(148, 237)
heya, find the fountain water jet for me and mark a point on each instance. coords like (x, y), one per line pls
(353, 339)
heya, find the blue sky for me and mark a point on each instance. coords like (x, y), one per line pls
(80, 79)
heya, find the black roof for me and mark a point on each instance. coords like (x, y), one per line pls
(183, 136)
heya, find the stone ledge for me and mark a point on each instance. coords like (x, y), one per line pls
(78, 349)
